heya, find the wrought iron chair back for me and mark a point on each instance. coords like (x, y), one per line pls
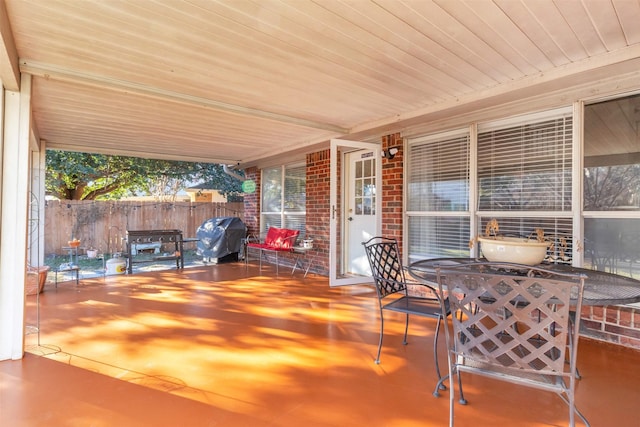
(513, 322)
(386, 266)
(392, 291)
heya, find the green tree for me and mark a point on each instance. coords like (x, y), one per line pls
(85, 176)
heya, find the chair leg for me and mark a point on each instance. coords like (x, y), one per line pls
(441, 380)
(435, 354)
(440, 386)
(574, 411)
(462, 400)
(380, 340)
(572, 319)
(406, 329)
(451, 396)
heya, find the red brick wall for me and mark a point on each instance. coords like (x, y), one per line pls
(392, 189)
(318, 206)
(318, 209)
(252, 202)
(618, 325)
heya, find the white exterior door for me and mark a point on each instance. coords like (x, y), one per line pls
(355, 208)
(360, 208)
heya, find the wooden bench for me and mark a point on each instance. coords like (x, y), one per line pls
(276, 241)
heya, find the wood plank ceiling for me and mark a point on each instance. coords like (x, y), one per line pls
(237, 81)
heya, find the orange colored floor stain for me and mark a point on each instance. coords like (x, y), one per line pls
(226, 345)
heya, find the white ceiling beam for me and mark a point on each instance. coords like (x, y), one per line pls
(9, 70)
(48, 71)
(143, 154)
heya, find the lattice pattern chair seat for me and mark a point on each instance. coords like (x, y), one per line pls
(392, 291)
(512, 322)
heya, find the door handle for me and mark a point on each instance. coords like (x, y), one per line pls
(350, 218)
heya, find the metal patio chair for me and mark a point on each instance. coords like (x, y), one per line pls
(392, 291)
(512, 322)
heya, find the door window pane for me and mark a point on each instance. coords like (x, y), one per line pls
(365, 187)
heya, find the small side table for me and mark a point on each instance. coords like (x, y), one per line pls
(302, 253)
(72, 268)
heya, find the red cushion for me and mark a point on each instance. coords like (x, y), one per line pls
(291, 239)
(273, 234)
(281, 238)
(262, 246)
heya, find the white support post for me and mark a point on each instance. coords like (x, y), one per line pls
(13, 217)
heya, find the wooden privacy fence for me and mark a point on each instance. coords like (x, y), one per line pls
(103, 225)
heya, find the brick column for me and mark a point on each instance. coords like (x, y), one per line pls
(252, 202)
(318, 208)
(392, 189)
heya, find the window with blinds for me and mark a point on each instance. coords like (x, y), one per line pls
(439, 175)
(438, 196)
(526, 167)
(284, 198)
(523, 179)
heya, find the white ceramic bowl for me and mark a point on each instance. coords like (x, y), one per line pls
(513, 249)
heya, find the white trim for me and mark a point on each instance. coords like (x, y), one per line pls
(473, 186)
(462, 131)
(577, 179)
(612, 214)
(524, 119)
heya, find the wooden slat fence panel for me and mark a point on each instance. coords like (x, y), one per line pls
(103, 225)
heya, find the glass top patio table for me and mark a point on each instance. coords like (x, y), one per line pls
(600, 288)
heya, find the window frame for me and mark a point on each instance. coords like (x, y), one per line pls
(284, 214)
(474, 214)
(435, 214)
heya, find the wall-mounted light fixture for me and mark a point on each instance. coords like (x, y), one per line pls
(390, 153)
